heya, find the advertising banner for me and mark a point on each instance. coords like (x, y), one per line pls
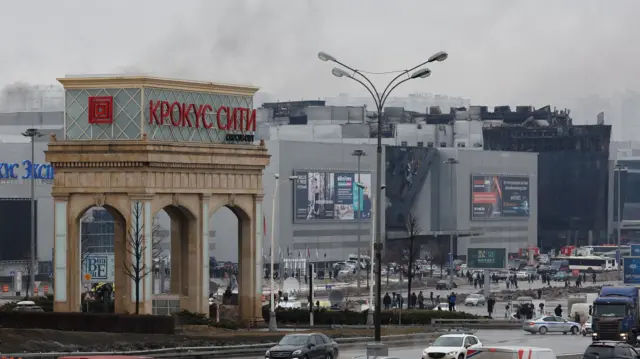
(332, 196)
(100, 267)
(499, 196)
(486, 258)
(631, 270)
(635, 250)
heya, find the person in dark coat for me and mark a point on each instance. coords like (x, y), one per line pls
(386, 301)
(490, 305)
(558, 311)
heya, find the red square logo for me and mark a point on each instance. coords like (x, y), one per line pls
(100, 109)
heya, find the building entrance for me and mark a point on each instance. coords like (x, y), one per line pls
(138, 145)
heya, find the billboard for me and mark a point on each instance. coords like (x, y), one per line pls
(15, 220)
(486, 258)
(100, 267)
(635, 250)
(499, 196)
(631, 270)
(332, 196)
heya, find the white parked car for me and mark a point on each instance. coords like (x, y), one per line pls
(522, 275)
(451, 346)
(475, 300)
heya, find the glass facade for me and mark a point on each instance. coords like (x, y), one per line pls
(96, 231)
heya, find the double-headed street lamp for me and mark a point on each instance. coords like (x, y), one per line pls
(373, 240)
(273, 326)
(33, 133)
(619, 168)
(379, 99)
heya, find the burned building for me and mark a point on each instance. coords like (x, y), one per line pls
(572, 170)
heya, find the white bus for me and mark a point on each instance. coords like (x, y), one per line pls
(591, 263)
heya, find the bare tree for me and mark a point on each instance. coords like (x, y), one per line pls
(135, 267)
(412, 249)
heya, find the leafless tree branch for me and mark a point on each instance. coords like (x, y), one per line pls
(412, 248)
(135, 266)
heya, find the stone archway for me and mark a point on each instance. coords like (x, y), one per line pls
(190, 180)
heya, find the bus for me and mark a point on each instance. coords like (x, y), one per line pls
(591, 263)
(602, 249)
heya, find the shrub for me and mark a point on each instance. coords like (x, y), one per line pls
(90, 322)
(185, 317)
(330, 317)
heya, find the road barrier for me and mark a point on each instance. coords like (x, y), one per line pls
(226, 351)
(476, 324)
(570, 356)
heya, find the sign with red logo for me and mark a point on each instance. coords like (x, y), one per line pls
(191, 115)
(100, 109)
(238, 122)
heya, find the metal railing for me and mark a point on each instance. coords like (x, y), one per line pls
(217, 351)
(477, 323)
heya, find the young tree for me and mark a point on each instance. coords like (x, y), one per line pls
(412, 249)
(135, 266)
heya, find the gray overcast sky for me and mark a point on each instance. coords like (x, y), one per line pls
(501, 52)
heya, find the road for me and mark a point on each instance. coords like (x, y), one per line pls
(559, 343)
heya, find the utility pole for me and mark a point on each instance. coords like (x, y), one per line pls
(359, 154)
(33, 265)
(619, 168)
(451, 162)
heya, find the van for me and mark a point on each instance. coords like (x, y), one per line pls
(491, 352)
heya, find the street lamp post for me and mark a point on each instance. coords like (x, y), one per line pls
(379, 100)
(33, 133)
(451, 162)
(619, 168)
(373, 240)
(359, 154)
(273, 326)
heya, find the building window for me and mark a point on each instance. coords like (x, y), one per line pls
(430, 144)
(443, 144)
(420, 144)
(462, 144)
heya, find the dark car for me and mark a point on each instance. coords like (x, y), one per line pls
(443, 284)
(610, 350)
(304, 346)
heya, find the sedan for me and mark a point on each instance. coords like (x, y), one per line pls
(444, 284)
(560, 276)
(551, 324)
(307, 346)
(475, 300)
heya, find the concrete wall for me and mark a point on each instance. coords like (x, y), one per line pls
(438, 209)
(337, 239)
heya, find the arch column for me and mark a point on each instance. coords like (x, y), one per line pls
(259, 221)
(203, 290)
(66, 258)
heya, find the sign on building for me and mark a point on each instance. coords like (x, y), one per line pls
(635, 250)
(99, 268)
(631, 270)
(486, 258)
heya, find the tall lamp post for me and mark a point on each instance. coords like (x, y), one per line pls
(33, 133)
(619, 168)
(273, 326)
(373, 240)
(359, 154)
(451, 162)
(379, 98)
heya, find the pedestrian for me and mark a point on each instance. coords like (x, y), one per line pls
(590, 310)
(507, 313)
(558, 311)
(386, 301)
(420, 300)
(431, 297)
(539, 294)
(541, 305)
(593, 275)
(490, 303)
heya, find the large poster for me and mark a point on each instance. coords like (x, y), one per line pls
(332, 196)
(499, 196)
